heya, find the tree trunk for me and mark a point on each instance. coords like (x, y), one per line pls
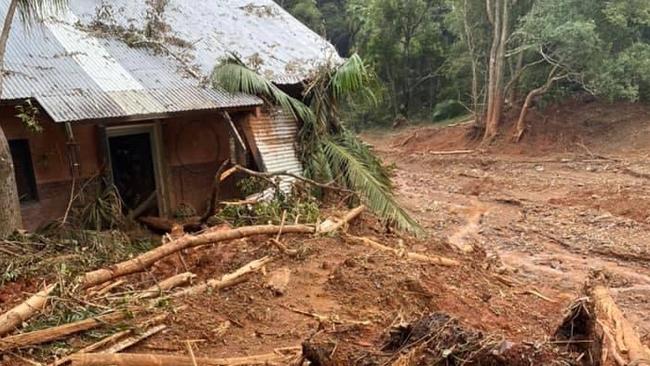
(10, 219)
(521, 122)
(500, 14)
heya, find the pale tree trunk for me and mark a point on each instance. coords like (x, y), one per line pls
(520, 128)
(10, 218)
(500, 15)
(476, 104)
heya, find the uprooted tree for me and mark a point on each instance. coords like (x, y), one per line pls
(329, 152)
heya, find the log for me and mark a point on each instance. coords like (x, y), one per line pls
(145, 260)
(226, 280)
(433, 259)
(133, 359)
(450, 152)
(621, 336)
(55, 333)
(24, 311)
(166, 285)
(330, 226)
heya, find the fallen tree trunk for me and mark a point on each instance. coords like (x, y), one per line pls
(52, 334)
(19, 314)
(167, 285)
(228, 279)
(621, 339)
(145, 260)
(433, 259)
(106, 359)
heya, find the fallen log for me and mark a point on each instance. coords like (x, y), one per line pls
(166, 285)
(145, 260)
(330, 226)
(132, 359)
(55, 333)
(619, 334)
(433, 259)
(450, 152)
(19, 314)
(226, 280)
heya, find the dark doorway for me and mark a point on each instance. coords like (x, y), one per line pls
(24, 170)
(133, 168)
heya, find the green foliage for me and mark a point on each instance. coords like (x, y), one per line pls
(328, 151)
(448, 109)
(28, 114)
(294, 208)
(67, 252)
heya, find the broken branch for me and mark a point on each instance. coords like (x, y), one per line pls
(442, 261)
(19, 314)
(228, 279)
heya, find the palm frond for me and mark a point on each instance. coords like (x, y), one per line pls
(235, 77)
(34, 10)
(369, 183)
(352, 77)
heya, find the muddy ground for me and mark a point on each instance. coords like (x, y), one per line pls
(530, 223)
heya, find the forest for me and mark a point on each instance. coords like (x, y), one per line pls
(436, 59)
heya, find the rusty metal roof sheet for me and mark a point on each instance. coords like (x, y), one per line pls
(76, 75)
(274, 138)
(263, 34)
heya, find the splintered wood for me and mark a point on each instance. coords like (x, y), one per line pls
(620, 340)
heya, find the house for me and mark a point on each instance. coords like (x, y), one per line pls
(120, 88)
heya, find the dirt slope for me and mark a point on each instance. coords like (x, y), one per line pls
(571, 201)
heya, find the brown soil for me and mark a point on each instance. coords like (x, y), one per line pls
(529, 223)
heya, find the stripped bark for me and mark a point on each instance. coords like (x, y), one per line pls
(52, 334)
(104, 359)
(24, 311)
(622, 339)
(145, 260)
(227, 280)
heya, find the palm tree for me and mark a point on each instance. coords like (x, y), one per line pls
(328, 150)
(29, 11)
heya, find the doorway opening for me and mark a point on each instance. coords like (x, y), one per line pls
(134, 168)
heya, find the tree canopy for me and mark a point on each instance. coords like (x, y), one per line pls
(487, 55)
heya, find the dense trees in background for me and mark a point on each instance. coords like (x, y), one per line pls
(487, 56)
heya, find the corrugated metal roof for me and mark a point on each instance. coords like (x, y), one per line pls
(76, 75)
(274, 137)
(263, 34)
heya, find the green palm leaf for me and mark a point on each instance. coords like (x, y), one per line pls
(233, 76)
(328, 151)
(371, 184)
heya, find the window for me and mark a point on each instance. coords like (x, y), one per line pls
(24, 170)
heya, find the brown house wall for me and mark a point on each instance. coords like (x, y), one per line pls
(193, 147)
